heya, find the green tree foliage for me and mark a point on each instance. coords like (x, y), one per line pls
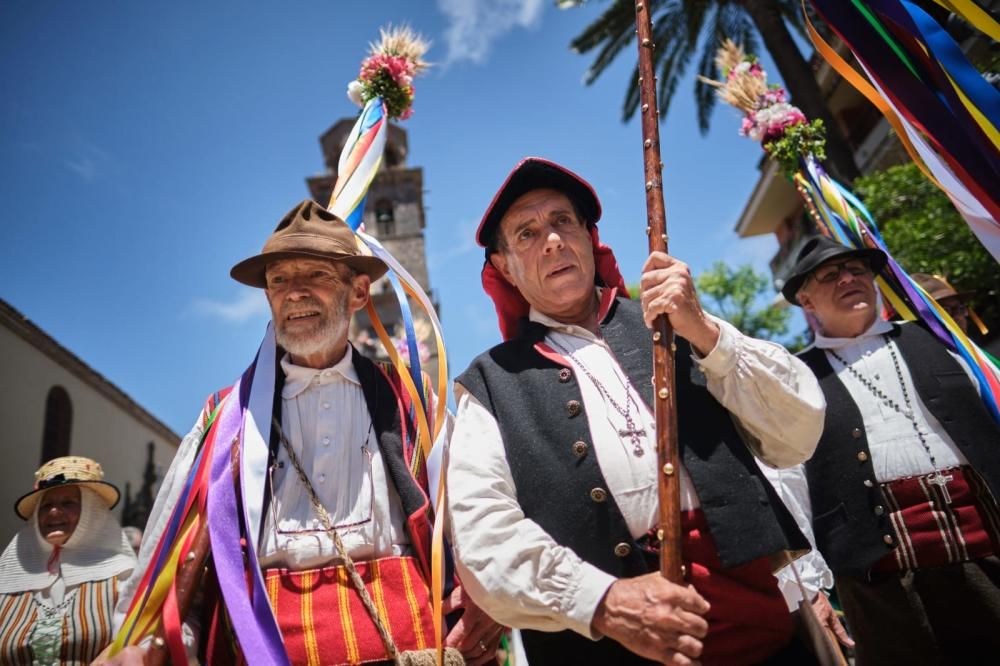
(740, 296)
(686, 30)
(925, 234)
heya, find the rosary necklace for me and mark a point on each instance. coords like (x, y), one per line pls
(634, 433)
(937, 478)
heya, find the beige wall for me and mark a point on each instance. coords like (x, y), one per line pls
(101, 428)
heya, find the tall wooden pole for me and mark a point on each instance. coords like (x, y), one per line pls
(663, 334)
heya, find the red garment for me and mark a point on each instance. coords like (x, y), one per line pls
(749, 620)
(510, 304)
(930, 531)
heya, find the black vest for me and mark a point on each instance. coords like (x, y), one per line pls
(539, 409)
(850, 517)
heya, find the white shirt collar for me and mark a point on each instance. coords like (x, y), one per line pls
(298, 378)
(571, 329)
(879, 327)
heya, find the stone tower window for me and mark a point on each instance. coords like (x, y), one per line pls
(385, 219)
(58, 423)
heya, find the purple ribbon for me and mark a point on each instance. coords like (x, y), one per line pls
(256, 629)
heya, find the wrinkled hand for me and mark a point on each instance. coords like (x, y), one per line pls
(130, 656)
(475, 634)
(654, 618)
(667, 288)
(828, 619)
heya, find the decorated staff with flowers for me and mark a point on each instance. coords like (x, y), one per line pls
(904, 481)
(300, 506)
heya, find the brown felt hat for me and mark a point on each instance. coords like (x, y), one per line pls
(938, 287)
(65, 471)
(309, 231)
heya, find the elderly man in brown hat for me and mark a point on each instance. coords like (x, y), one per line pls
(552, 477)
(904, 479)
(344, 487)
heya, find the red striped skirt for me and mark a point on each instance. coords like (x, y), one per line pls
(931, 530)
(323, 620)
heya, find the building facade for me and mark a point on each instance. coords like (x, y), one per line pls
(53, 404)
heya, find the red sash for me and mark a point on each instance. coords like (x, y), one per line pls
(323, 621)
(749, 620)
(932, 532)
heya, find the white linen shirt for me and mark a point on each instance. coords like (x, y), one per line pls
(326, 420)
(510, 566)
(895, 448)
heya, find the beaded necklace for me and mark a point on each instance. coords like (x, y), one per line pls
(907, 412)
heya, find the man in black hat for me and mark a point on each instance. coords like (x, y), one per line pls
(903, 480)
(552, 477)
(343, 481)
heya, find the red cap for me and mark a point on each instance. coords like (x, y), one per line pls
(534, 173)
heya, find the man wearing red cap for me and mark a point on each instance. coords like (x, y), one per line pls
(552, 464)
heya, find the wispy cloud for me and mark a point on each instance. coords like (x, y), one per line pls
(464, 242)
(86, 159)
(83, 167)
(246, 306)
(474, 25)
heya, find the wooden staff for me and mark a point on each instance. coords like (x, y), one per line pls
(669, 532)
(188, 580)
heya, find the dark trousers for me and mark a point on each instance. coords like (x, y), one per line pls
(940, 615)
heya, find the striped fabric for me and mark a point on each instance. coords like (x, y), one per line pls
(931, 531)
(320, 613)
(86, 627)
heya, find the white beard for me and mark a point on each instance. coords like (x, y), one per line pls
(332, 326)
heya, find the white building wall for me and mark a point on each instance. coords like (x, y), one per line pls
(101, 428)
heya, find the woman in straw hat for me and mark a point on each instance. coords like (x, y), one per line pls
(59, 575)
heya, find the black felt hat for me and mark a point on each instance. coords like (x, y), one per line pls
(819, 250)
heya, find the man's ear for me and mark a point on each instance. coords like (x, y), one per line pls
(499, 261)
(805, 301)
(360, 286)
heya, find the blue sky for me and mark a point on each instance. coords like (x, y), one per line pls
(149, 146)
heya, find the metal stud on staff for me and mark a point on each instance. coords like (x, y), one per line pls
(663, 334)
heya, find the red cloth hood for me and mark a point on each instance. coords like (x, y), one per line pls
(511, 306)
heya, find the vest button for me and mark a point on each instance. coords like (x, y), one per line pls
(564, 375)
(573, 407)
(599, 495)
(879, 510)
(623, 550)
(862, 456)
(856, 433)
(580, 449)
(888, 539)
(869, 483)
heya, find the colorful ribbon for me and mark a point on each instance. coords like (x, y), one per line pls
(946, 115)
(841, 216)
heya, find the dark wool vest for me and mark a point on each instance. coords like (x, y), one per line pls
(539, 409)
(849, 510)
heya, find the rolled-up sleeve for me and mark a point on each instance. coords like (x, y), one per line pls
(512, 568)
(774, 396)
